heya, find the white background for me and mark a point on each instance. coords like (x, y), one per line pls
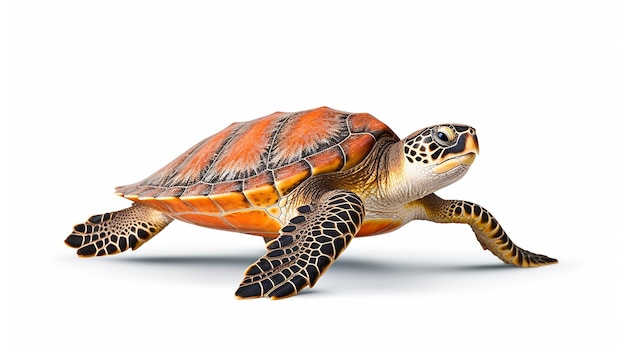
(104, 93)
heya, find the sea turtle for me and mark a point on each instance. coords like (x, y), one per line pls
(307, 182)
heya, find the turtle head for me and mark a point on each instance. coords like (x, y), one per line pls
(437, 156)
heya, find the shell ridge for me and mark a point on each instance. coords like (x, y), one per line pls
(279, 128)
(350, 132)
(170, 179)
(332, 137)
(273, 161)
(199, 210)
(246, 154)
(344, 156)
(210, 176)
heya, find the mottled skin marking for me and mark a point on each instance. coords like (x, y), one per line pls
(307, 182)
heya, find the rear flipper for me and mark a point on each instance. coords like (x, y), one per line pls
(487, 229)
(115, 232)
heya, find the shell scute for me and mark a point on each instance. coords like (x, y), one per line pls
(150, 192)
(231, 201)
(198, 189)
(366, 123)
(227, 187)
(175, 191)
(263, 179)
(263, 196)
(289, 177)
(174, 204)
(204, 219)
(306, 133)
(252, 221)
(356, 148)
(190, 167)
(160, 205)
(202, 204)
(328, 161)
(245, 154)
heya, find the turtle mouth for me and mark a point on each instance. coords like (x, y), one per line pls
(449, 164)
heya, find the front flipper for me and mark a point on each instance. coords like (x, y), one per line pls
(306, 247)
(487, 229)
(115, 232)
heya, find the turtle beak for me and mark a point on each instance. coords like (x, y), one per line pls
(466, 157)
(471, 145)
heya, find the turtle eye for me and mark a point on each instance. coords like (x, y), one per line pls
(444, 135)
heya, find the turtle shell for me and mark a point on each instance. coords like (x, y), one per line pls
(234, 180)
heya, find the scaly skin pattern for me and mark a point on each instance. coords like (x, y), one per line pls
(487, 229)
